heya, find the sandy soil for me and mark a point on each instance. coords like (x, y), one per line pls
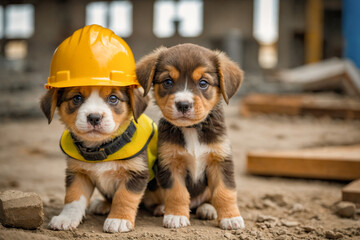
(273, 207)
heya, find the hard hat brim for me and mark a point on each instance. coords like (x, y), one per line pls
(88, 82)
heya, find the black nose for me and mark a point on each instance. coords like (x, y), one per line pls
(94, 119)
(183, 106)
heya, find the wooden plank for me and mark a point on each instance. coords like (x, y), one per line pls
(339, 163)
(301, 104)
(351, 192)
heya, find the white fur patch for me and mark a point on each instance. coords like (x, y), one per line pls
(206, 211)
(71, 215)
(114, 225)
(185, 95)
(95, 104)
(159, 210)
(232, 223)
(198, 150)
(173, 221)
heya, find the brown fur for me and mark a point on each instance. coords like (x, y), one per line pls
(125, 204)
(189, 64)
(177, 198)
(80, 186)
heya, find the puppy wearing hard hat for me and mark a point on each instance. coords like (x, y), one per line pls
(109, 143)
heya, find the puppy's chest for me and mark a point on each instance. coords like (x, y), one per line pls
(199, 152)
(107, 176)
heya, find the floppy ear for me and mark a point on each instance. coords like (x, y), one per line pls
(230, 75)
(49, 102)
(138, 102)
(146, 68)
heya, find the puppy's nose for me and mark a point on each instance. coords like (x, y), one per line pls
(183, 106)
(94, 119)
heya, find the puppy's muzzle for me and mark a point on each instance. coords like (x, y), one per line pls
(94, 119)
(183, 106)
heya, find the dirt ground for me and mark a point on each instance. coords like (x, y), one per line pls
(273, 207)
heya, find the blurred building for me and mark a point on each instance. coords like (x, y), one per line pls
(30, 30)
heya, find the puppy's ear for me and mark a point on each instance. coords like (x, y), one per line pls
(49, 102)
(230, 75)
(138, 102)
(146, 68)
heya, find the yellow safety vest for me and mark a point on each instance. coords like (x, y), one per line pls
(145, 136)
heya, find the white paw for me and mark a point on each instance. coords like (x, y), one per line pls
(232, 223)
(206, 212)
(115, 225)
(99, 207)
(63, 222)
(159, 210)
(70, 217)
(172, 221)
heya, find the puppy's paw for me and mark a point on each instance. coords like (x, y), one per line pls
(115, 225)
(159, 210)
(206, 212)
(232, 223)
(64, 222)
(100, 207)
(70, 217)
(172, 221)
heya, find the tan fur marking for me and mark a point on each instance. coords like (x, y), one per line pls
(80, 186)
(202, 106)
(173, 72)
(198, 73)
(177, 199)
(174, 157)
(125, 204)
(223, 199)
(225, 202)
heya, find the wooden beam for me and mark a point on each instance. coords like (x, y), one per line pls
(301, 104)
(339, 163)
(351, 192)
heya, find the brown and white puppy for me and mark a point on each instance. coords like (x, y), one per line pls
(93, 115)
(195, 167)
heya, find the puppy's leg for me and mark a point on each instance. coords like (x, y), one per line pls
(100, 207)
(153, 201)
(125, 204)
(78, 192)
(222, 183)
(177, 202)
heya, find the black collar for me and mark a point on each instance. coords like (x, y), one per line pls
(102, 152)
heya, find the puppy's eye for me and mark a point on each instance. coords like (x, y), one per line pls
(78, 99)
(113, 100)
(203, 84)
(167, 83)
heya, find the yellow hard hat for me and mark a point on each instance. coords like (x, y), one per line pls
(92, 56)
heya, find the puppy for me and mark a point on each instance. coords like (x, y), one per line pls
(99, 122)
(195, 167)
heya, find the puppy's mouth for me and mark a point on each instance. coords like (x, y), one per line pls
(184, 120)
(93, 132)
